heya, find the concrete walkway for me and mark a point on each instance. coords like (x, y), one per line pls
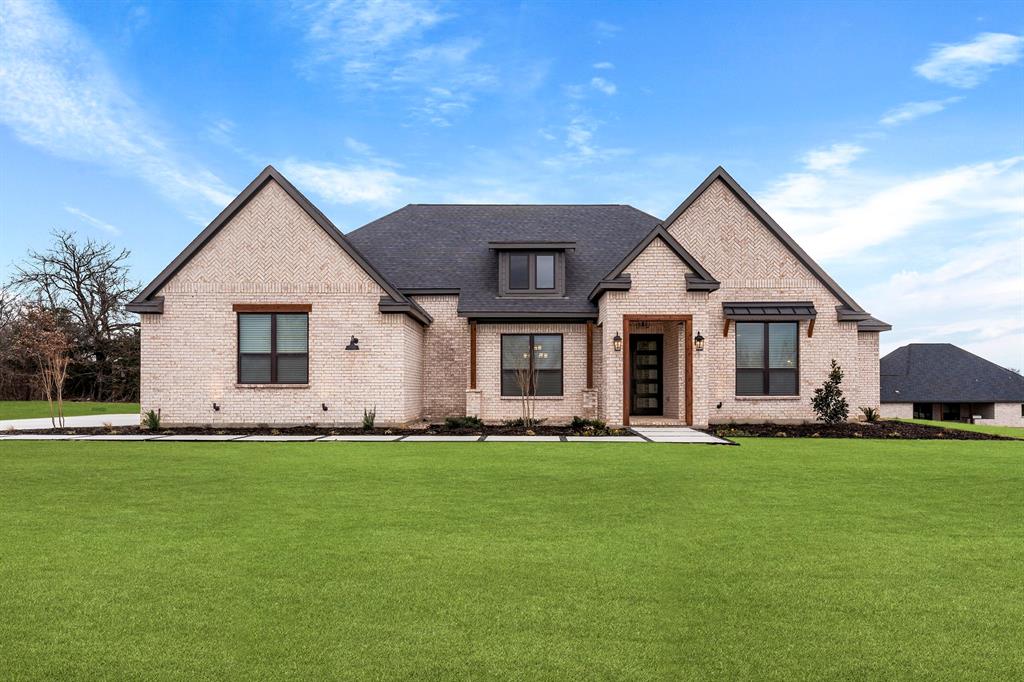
(690, 436)
(677, 434)
(70, 422)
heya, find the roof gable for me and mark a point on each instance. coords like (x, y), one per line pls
(849, 309)
(942, 372)
(700, 280)
(148, 302)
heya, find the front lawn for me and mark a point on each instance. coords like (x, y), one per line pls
(29, 409)
(777, 559)
(1011, 431)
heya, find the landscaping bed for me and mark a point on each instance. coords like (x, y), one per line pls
(452, 428)
(889, 430)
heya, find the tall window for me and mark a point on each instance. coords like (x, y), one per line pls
(767, 358)
(533, 362)
(273, 348)
(531, 272)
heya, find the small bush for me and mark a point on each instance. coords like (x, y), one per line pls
(109, 426)
(828, 401)
(454, 423)
(520, 423)
(151, 420)
(369, 416)
(871, 414)
(581, 424)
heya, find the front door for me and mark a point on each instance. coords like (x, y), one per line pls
(645, 374)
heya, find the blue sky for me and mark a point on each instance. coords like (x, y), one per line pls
(887, 138)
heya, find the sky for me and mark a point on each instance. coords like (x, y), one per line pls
(887, 138)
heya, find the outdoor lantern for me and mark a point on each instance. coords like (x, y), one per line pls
(353, 344)
(617, 342)
(698, 342)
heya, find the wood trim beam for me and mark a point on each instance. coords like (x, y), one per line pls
(627, 367)
(472, 354)
(590, 354)
(272, 307)
(810, 328)
(725, 329)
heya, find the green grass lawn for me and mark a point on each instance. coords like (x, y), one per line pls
(27, 409)
(1011, 431)
(782, 558)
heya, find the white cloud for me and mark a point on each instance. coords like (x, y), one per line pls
(909, 111)
(580, 147)
(95, 222)
(358, 147)
(606, 29)
(605, 86)
(354, 184)
(382, 46)
(966, 65)
(834, 158)
(974, 299)
(840, 215)
(604, 65)
(57, 93)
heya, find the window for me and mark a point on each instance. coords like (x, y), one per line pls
(767, 358)
(532, 362)
(534, 273)
(922, 410)
(273, 348)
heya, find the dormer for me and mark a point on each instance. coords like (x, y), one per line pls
(531, 269)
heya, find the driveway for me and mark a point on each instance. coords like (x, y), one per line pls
(70, 422)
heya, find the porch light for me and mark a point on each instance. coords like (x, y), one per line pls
(698, 342)
(617, 342)
(353, 344)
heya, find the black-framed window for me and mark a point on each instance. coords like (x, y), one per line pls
(533, 362)
(535, 273)
(273, 348)
(767, 358)
(922, 410)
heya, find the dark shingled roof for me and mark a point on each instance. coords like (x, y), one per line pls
(941, 372)
(433, 246)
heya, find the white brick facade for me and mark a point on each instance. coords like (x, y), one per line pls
(273, 252)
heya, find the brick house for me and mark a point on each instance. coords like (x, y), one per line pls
(272, 316)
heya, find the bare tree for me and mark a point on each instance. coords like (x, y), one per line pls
(88, 281)
(526, 380)
(42, 337)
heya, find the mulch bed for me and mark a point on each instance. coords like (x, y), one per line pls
(889, 430)
(426, 430)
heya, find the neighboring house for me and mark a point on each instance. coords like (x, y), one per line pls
(272, 316)
(942, 382)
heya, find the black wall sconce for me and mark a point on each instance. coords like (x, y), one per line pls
(323, 406)
(617, 342)
(216, 407)
(353, 344)
(698, 342)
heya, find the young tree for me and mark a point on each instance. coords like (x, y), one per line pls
(42, 338)
(87, 285)
(527, 382)
(828, 401)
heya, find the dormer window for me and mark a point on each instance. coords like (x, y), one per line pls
(531, 268)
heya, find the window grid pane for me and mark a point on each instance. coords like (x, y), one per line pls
(782, 340)
(254, 369)
(545, 267)
(749, 345)
(292, 334)
(518, 271)
(253, 333)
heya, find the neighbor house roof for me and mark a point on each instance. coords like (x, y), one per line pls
(942, 372)
(448, 247)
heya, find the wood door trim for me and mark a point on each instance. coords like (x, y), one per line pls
(626, 359)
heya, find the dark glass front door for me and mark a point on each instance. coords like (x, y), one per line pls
(645, 374)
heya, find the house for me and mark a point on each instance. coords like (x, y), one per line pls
(942, 382)
(273, 316)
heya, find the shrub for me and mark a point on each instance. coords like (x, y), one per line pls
(870, 414)
(151, 420)
(581, 424)
(453, 423)
(369, 416)
(520, 423)
(828, 401)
